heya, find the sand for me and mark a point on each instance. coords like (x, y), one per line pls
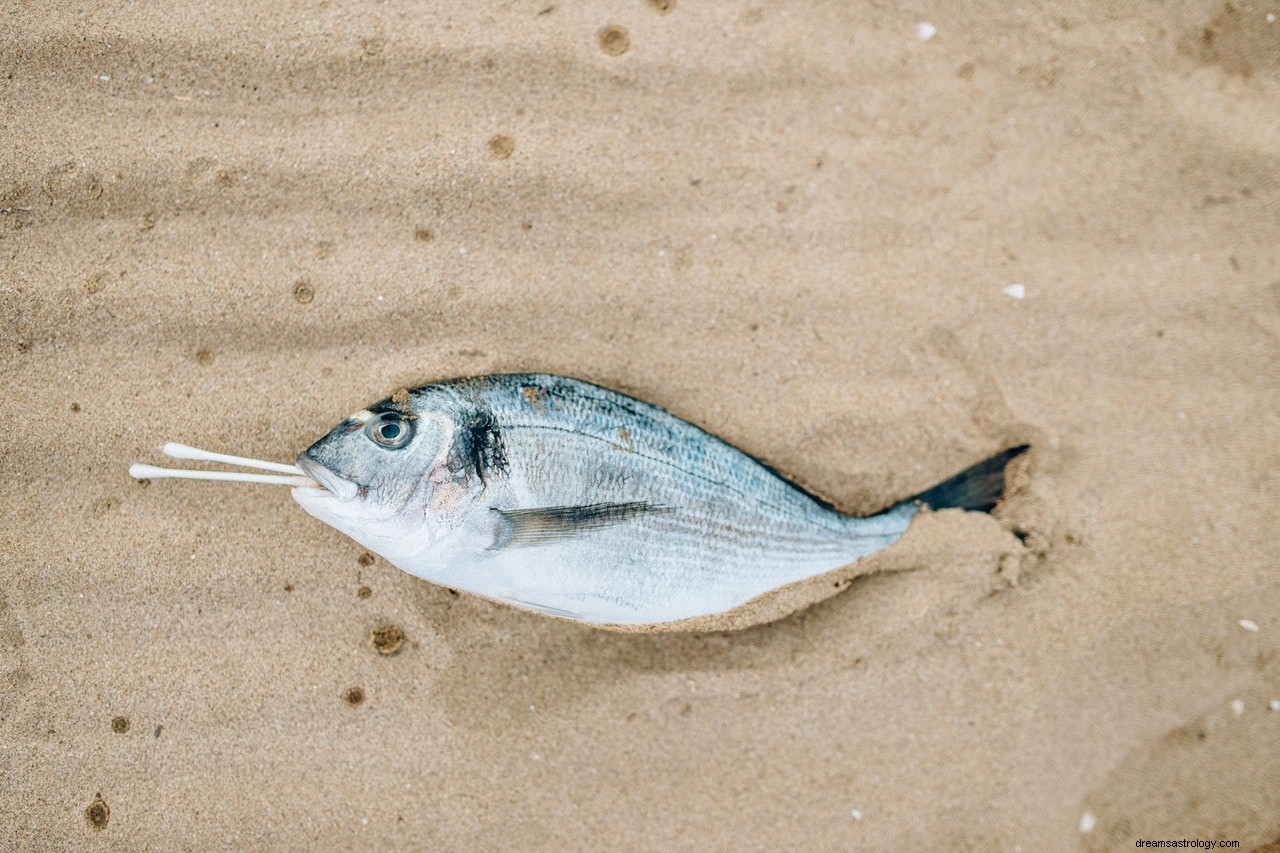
(791, 223)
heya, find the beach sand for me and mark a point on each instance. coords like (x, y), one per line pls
(794, 224)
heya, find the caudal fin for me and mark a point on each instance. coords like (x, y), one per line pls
(978, 488)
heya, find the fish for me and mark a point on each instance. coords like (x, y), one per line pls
(563, 497)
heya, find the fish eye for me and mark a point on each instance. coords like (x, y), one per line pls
(390, 430)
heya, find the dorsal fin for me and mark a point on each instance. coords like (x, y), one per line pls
(520, 528)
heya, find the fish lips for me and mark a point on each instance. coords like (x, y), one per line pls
(342, 489)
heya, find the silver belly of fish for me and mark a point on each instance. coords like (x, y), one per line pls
(563, 497)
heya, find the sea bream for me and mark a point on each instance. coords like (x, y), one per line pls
(563, 497)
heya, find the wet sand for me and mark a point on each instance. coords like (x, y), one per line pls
(794, 224)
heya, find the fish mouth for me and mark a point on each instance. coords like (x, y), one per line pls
(342, 489)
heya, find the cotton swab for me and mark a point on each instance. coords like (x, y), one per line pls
(174, 450)
(152, 472)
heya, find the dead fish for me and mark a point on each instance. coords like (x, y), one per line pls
(567, 498)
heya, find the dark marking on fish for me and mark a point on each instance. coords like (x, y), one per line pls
(519, 528)
(482, 441)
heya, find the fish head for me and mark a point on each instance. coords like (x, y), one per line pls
(388, 477)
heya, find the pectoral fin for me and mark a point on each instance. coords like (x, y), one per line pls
(521, 528)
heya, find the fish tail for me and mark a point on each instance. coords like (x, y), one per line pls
(978, 488)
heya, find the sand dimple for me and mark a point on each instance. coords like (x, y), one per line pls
(501, 146)
(98, 813)
(387, 639)
(614, 40)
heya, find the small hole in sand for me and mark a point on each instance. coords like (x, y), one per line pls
(424, 235)
(364, 592)
(365, 559)
(204, 356)
(387, 639)
(303, 292)
(119, 725)
(354, 696)
(614, 40)
(501, 146)
(98, 813)
(663, 6)
(75, 407)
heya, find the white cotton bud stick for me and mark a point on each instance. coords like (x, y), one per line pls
(152, 472)
(175, 450)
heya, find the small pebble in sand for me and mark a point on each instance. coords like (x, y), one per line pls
(1274, 704)
(501, 147)
(1249, 625)
(1088, 822)
(1015, 291)
(855, 814)
(1237, 705)
(925, 31)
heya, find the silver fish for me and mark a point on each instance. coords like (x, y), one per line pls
(566, 498)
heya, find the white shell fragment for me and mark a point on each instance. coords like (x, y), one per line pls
(1015, 291)
(1249, 625)
(925, 31)
(1274, 705)
(1237, 705)
(1088, 822)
